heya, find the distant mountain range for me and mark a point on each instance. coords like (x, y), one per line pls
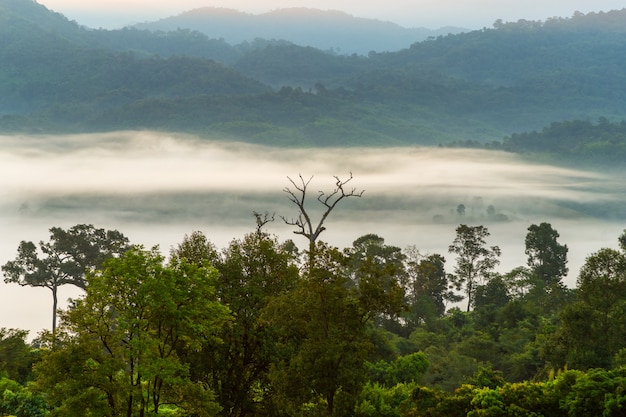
(467, 88)
(326, 30)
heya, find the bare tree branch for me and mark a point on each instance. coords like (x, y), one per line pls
(303, 223)
(262, 220)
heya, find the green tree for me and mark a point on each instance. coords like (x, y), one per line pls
(519, 281)
(593, 330)
(547, 258)
(486, 377)
(117, 351)
(622, 241)
(65, 259)
(251, 270)
(429, 287)
(404, 369)
(598, 392)
(489, 300)
(602, 281)
(372, 248)
(429, 279)
(16, 356)
(197, 249)
(494, 293)
(18, 400)
(323, 323)
(474, 261)
(379, 401)
(372, 260)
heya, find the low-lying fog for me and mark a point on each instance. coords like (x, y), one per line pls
(155, 188)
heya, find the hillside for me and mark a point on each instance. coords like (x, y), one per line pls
(329, 30)
(48, 63)
(56, 76)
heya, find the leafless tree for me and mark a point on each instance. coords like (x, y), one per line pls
(304, 224)
(262, 220)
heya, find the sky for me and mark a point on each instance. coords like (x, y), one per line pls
(433, 14)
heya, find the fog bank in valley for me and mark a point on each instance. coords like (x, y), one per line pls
(155, 188)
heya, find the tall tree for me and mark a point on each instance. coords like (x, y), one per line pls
(429, 287)
(547, 258)
(117, 349)
(474, 261)
(602, 293)
(592, 330)
(323, 328)
(65, 259)
(372, 248)
(252, 270)
(370, 259)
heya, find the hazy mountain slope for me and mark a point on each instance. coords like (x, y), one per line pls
(325, 30)
(521, 50)
(22, 18)
(182, 42)
(513, 54)
(46, 60)
(520, 76)
(538, 72)
(18, 15)
(479, 86)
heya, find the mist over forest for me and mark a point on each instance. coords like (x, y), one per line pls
(157, 187)
(164, 184)
(421, 183)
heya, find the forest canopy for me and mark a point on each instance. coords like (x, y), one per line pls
(262, 328)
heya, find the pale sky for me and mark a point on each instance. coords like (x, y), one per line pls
(471, 14)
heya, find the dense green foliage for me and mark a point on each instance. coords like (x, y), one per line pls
(260, 329)
(599, 144)
(121, 348)
(577, 141)
(56, 76)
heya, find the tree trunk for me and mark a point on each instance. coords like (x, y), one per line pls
(330, 399)
(54, 311)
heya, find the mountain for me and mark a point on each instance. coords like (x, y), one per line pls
(478, 87)
(48, 62)
(17, 14)
(326, 30)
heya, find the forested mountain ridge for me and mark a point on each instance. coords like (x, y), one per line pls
(325, 30)
(57, 76)
(53, 66)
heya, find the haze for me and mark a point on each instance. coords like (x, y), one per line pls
(471, 14)
(155, 188)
